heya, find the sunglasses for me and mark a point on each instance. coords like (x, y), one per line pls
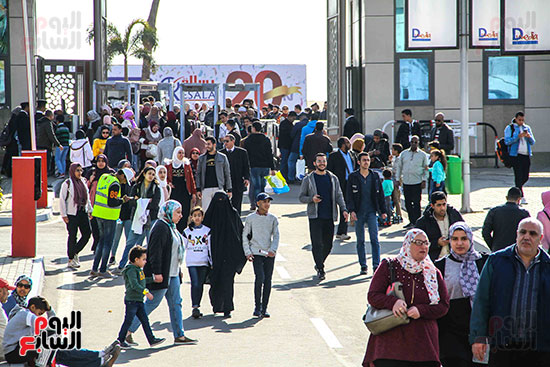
(26, 286)
(420, 243)
(105, 133)
(194, 153)
(226, 141)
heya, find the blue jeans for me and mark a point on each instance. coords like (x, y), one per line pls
(198, 276)
(257, 176)
(132, 240)
(61, 159)
(371, 220)
(292, 159)
(285, 153)
(135, 309)
(106, 235)
(173, 297)
(433, 188)
(125, 225)
(263, 271)
(78, 358)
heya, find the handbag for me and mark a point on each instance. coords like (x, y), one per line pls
(152, 151)
(379, 321)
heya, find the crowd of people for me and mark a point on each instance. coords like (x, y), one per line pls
(180, 202)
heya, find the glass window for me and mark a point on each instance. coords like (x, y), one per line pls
(503, 77)
(400, 28)
(2, 82)
(414, 79)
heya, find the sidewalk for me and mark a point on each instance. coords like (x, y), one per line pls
(12, 267)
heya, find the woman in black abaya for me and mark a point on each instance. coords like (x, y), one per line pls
(227, 251)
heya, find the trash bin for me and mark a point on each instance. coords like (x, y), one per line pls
(454, 182)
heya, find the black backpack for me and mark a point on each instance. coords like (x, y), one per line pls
(503, 151)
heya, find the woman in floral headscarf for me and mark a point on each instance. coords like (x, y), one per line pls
(461, 270)
(18, 296)
(426, 300)
(165, 250)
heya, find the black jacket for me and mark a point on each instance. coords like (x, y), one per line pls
(402, 136)
(351, 127)
(237, 135)
(428, 224)
(239, 167)
(337, 165)
(314, 143)
(126, 208)
(259, 151)
(446, 138)
(296, 135)
(285, 138)
(159, 254)
(379, 160)
(501, 225)
(23, 130)
(118, 148)
(153, 193)
(353, 193)
(45, 136)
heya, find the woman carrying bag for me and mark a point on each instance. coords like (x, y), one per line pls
(426, 300)
(181, 180)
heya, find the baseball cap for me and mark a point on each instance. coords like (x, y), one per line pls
(128, 173)
(263, 196)
(4, 284)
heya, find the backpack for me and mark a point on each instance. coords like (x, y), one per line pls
(503, 152)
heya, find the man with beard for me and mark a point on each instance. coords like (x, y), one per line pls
(227, 251)
(240, 170)
(213, 173)
(443, 134)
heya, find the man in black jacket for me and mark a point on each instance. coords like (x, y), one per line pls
(443, 133)
(364, 199)
(23, 127)
(117, 147)
(260, 156)
(232, 129)
(316, 142)
(436, 221)
(501, 223)
(45, 137)
(342, 163)
(240, 169)
(351, 126)
(407, 130)
(285, 143)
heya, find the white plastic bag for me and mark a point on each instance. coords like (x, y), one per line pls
(300, 169)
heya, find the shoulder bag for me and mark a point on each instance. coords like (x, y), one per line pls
(379, 321)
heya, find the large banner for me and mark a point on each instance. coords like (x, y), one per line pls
(526, 26)
(431, 24)
(484, 23)
(279, 84)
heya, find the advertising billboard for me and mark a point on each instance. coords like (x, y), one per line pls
(431, 24)
(525, 29)
(484, 23)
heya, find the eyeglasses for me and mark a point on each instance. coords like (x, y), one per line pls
(105, 133)
(194, 153)
(226, 140)
(531, 233)
(420, 243)
(26, 286)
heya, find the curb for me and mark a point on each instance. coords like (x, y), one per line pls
(42, 215)
(37, 276)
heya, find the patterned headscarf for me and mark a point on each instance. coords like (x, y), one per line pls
(469, 275)
(426, 266)
(21, 301)
(166, 214)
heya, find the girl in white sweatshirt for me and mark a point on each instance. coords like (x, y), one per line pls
(198, 256)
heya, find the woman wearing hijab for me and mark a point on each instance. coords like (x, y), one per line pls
(195, 154)
(357, 143)
(227, 251)
(18, 296)
(165, 253)
(194, 141)
(544, 217)
(94, 122)
(81, 150)
(155, 116)
(172, 123)
(99, 143)
(167, 145)
(165, 189)
(129, 120)
(461, 270)
(75, 209)
(150, 136)
(182, 182)
(107, 123)
(143, 123)
(426, 300)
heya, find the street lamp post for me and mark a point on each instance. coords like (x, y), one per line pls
(464, 108)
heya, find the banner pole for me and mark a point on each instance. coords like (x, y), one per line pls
(464, 108)
(28, 67)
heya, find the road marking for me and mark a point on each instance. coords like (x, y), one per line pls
(65, 302)
(326, 333)
(283, 273)
(280, 257)
(283, 244)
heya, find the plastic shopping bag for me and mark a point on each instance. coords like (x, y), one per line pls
(278, 183)
(300, 169)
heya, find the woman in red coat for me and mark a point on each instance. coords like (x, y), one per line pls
(426, 300)
(180, 179)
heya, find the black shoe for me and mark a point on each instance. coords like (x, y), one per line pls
(157, 341)
(124, 345)
(196, 313)
(363, 270)
(256, 312)
(321, 274)
(265, 314)
(227, 315)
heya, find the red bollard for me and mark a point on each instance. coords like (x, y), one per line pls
(43, 201)
(23, 227)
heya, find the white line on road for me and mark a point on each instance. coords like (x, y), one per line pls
(65, 303)
(326, 333)
(280, 257)
(283, 273)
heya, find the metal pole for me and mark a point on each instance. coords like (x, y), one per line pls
(94, 96)
(28, 66)
(464, 109)
(136, 112)
(171, 92)
(182, 114)
(215, 117)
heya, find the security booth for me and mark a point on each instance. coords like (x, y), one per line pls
(245, 87)
(197, 87)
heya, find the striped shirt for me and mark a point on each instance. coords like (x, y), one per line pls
(62, 133)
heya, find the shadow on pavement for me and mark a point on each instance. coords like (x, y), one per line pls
(350, 248)
(131, 355)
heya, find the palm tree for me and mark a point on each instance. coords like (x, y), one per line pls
(147, 68)
(131, 44)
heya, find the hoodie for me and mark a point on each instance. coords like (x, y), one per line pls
(544, 217)
(134, 281)
(167, 145)
(306, 130)
(194, 141)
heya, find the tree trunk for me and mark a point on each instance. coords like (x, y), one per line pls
(125, 68)
(152, 20)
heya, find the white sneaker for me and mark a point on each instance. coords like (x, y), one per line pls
(344, 237)
(523, 201)
(72, 264)
(76, 261)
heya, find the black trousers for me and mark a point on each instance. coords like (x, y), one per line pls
(95, 232)
(81, 222)
(413, 195)
(457, 362)
(237, 200)
(518, 357)
(263, 270)
(14, 357)
(343, 225)
(321, 232)
(521, 165)
(396, 363)
(12, 150)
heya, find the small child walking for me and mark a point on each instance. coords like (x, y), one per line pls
(438, 170)
(388, 187)
(260, 243)
(396, 150)
(134, 281)
(196, 239)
